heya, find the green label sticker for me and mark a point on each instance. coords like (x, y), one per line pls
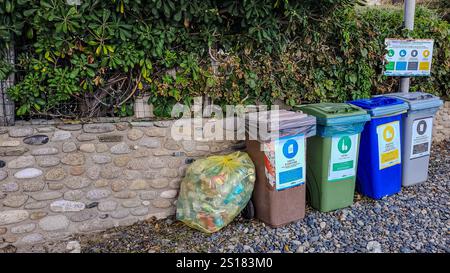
(343, 157)
(390, 66)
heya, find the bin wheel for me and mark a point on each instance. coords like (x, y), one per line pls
(249, 211)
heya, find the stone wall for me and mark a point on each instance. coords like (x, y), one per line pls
(59, 179)
(441, 128)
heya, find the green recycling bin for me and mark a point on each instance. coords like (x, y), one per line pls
(332, 154)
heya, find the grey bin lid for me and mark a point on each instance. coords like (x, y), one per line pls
(418, 100)
(289, 123)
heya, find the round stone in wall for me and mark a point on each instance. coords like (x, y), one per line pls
(28, 173)
(32, 185)
(36, 215)
(61, 135)
(139, 211)
(101, 159)
(159, 183)
(121, 161)
(45, 151)
(12, 216)
(98, 128)
(33, 238)
(21, 162)
(69, 127)
(83, 216)
(74, 159)
(101, 148)
(135, 134)
(97, 194)
(87, 147)
(49, 195)
(161, 203)
(131, 203)
(15, 201)
(125, 195)
(3, 175)
(169, 194)
(121, 148)
(47, 161)
(66, 206)
(86, 137)
(150, 142)
(25, 228)
(77, 182)
(155, 132)
(54, 223)
(69, 147)
(110, 172)
(148, 195)
(101, 183)
(119, 185)
(35, 205)
(76, 170)
(55, 174)
(73, 195)
(120, 214)
(36, 140)
(93, 172)
(107, 206)
(20, 131)
(10, 143)
(9, 187)
(138, 184)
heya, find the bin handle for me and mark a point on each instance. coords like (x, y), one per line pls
(423, 97)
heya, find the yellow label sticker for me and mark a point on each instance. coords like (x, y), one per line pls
(389, 156)
(424, 65)
(389, 144)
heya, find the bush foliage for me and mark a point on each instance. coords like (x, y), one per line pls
(104, 53)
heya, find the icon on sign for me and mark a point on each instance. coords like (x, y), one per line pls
(421, 127)
(414, 53)
(391, 52)
(402, 53)
(344, 144)
(388, 133)
(426, 53)
(290, 148)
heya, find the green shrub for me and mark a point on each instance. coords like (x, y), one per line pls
(103, 53)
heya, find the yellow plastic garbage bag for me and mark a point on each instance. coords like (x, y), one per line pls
(215, 190)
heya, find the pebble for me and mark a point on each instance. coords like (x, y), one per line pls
(28, 173)
(54, 223)
(45, 151)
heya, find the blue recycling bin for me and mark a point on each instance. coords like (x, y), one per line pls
(379, 172)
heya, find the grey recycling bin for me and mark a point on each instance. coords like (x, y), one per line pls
(417, 133)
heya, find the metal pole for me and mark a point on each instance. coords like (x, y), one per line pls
(408, 22)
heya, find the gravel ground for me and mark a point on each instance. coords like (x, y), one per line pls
(416, 220)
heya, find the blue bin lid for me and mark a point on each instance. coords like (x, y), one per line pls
(419, 100)
(382, 105)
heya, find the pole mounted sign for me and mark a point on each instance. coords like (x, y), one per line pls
(408, 58)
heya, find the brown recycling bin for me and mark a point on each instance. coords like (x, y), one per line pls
(278, 207)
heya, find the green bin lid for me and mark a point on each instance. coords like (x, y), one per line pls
(335, 113)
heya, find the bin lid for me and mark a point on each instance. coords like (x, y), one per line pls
(382, 105)
(335, 113)
(278, 122)
(418, 100)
